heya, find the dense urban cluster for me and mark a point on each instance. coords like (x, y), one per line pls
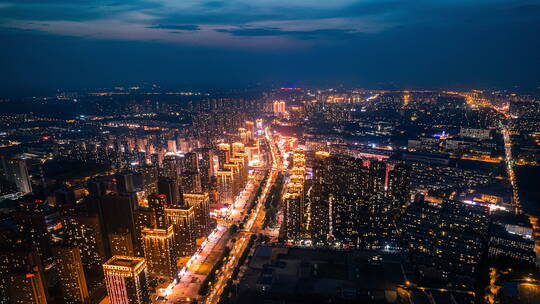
(141, 195)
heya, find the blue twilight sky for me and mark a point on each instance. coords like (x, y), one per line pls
(406, 43)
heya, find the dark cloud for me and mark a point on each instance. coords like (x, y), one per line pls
(180, 27)
(324, 34)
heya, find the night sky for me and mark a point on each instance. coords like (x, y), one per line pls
(48, 44)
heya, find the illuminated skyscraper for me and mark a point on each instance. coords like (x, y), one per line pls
(121, 243)
(117, 213)
(172, 190)
(191, 162)
(191, 182)
(70, 274)
(295, 217)
(225, 183)
(171, 166)
(292, 215)
(202, 212)
(159, 252)
(237, 147)
(34, 227)
(206, 167)
(377, 176)
(126, 279)
(84, 232)
(250, 127)
(16, 171)
(279, 107)
(183, 220)
(21, 277)
(224, 153)
(399, 180)
(150, 177)
(171, 146)
(157, 204)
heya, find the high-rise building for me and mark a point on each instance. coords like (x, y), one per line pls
(172, 190)
(191, 182)
(15, 170)
(206, 167)
(279, 107)
(292, 215)
(157, 204)
(223, 153)
(171, 146)
(446, 240)
(199, 201)
(191, 162)
(183, 221)
(85, 232)
(112, 206)
(171, 166)
(159, 252)
(150, 177)
(21, 277)
(121, 243)
(125, 182)
(33, 226)
(295, 220)
(126, 279)
(225, 185)
(70, 274)
(377, 176)
(399, 183)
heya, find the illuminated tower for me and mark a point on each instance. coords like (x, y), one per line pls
(126, 279)
(84, 232)
(183, 220)
(279, 107)
(191, 182)
(191, 162)
(250, 126)
(224, 153)
(202, 212)
(70, 274)
(16, 171)
(157, 203)
(237, 181)
(21, 277)
(225, 180)
(171, 166)
(399, 183)
(150, 177)
(171, 146)
(292, 215)
(121, 242)
(206, 167)
(159, 252)
(171, 189)
(377, 176)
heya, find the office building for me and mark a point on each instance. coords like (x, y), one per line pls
(172, 190)
(70, 274)
(199, 201)
(15, 170)
(21, 277)
(121, 243)
(126, 279)
(183, 221)
(159, 252)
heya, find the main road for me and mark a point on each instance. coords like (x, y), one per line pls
(253, 224)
